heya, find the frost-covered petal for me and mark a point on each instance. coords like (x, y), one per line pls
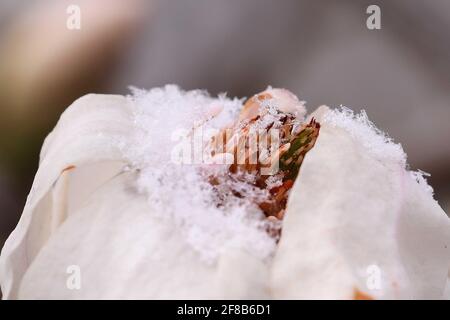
(356, 218)
(123, 251)
(85, 209)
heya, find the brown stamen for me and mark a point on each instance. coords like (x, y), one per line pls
(295, 141)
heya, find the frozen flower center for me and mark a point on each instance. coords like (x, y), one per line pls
(215, 205)
(270, 168)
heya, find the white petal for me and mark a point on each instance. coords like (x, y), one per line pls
(125, 252)
(84, 211)
(350, 211)
(82, 136)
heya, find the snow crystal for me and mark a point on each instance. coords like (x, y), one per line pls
(421, 178)
(179, 191)
(378, 143)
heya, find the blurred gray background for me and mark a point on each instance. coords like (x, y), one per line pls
(320, 50)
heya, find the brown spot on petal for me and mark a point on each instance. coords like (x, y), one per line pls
(263, 96)
(68, 168)
(359, 295)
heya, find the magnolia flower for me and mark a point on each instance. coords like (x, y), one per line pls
(342, 218)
